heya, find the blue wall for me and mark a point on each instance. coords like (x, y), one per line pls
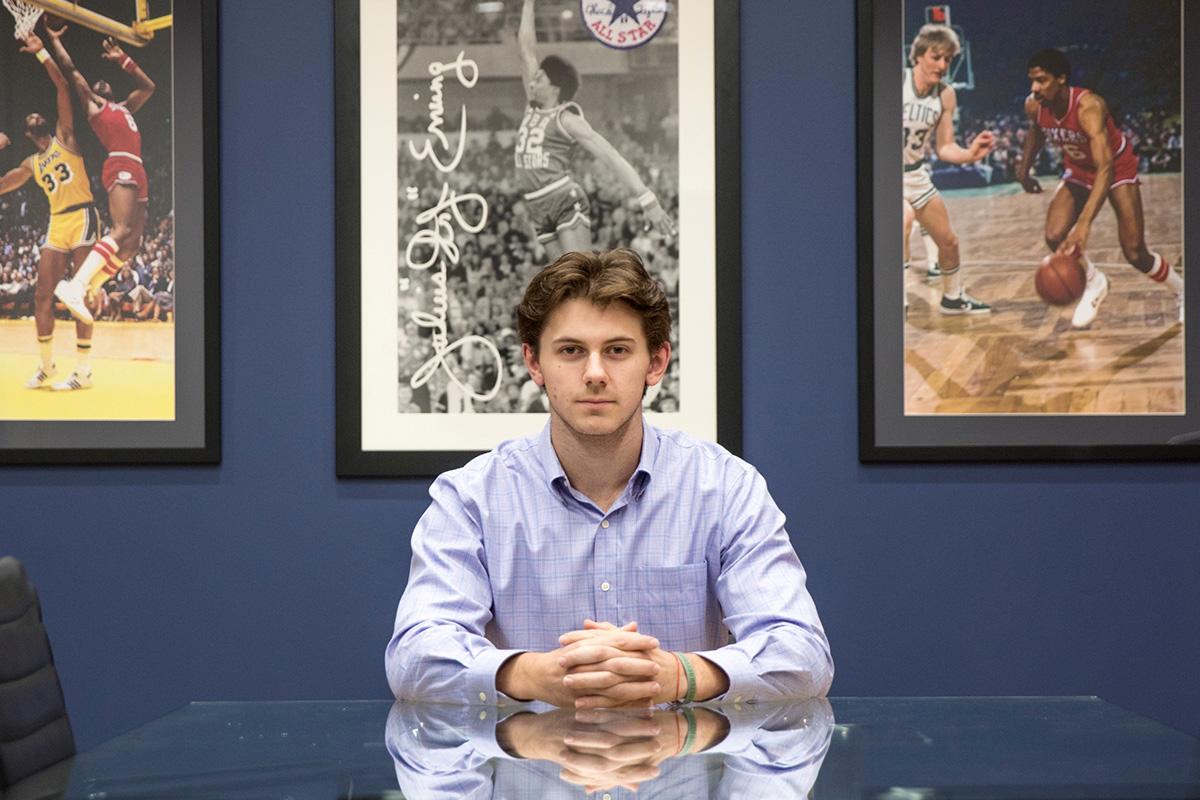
(267, 578)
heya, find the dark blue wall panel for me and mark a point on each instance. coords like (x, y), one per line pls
(267, 578)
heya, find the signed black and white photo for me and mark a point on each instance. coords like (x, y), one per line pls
(516, 131)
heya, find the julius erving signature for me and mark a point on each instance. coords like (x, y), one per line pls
(467, 72)
(438, 239)
(434, 242)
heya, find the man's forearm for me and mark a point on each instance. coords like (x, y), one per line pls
(1104, 178)
(711, 680)
(515, 678)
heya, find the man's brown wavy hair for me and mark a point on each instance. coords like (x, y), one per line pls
(599, 278)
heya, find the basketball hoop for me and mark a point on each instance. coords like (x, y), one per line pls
(25, 15)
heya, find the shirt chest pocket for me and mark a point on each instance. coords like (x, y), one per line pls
(676, 599)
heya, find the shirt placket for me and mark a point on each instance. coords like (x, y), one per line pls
(607, 580)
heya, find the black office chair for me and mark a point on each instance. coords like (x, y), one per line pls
(34, 730)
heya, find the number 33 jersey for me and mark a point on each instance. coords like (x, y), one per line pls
(543, 147)
(921, 115)
(61, 175)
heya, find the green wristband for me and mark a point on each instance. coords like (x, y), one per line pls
(691, 734)
(691, 677)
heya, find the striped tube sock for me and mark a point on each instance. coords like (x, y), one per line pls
(46, 349)
(1164, 273)
(83, 353)
(100, 265)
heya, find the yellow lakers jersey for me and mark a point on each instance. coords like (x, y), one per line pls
(62, 177)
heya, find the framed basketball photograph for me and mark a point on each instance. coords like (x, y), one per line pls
(109, 302)
(476, 143)
(1022, 261)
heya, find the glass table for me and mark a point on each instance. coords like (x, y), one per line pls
(879, 748)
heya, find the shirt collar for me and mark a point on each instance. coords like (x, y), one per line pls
(556, 476)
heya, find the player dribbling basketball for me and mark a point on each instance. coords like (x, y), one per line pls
(929, 109)
(1100, 165)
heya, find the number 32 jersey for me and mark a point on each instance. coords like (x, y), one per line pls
(543, 147)
(921, 115)
(61, 175)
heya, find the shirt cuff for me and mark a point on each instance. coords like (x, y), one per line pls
(743, 724)
(481, 728)
(481, 678)
(737, 667)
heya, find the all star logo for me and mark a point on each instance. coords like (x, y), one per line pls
(623, 24)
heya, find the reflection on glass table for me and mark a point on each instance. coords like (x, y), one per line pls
(868, 749)
(728, 750)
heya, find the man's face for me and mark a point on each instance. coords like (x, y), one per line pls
(36, 125)
(1044, 86)
(594, 364)
(932, 65)
(543, 92)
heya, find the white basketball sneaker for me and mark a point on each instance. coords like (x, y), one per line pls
(1093, 295)
(40, 378)
(71, 294)
(76, 381)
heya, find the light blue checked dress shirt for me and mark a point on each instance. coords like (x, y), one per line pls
(509, 556)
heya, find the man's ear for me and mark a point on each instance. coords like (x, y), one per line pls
(658, 364)
(531, 364)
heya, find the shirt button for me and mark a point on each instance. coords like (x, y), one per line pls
(604, 524)
(482, 696)
(607, 796)
(604, 586)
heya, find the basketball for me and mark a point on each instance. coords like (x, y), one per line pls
(1060, 279)
(53, 23)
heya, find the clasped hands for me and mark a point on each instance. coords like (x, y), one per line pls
(601, 748)
(599, 666)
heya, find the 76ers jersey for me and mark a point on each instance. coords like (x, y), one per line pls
(1067, 133)
(921, 115)
(116, 129)
(62, 177)
(543, 149)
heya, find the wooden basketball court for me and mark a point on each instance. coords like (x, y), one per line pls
(1024, 357)
(133, 365)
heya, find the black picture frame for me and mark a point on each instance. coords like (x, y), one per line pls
(894, 372)
(718, 374)
(189, 68)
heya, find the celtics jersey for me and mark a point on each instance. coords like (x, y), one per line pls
(62, 177)
(543, 147)
(922, 112)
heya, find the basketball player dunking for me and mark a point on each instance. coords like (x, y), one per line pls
(553, 124)
(123, 175)
(1100, 165)
(929, 108)
(58, 168)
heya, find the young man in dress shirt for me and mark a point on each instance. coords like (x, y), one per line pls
(603, 562)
